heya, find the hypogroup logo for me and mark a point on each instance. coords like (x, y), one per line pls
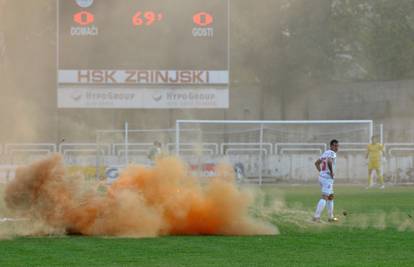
(157, 97)
(76, 96)
(84, 3)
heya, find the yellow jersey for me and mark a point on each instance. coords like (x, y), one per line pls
(375, 152)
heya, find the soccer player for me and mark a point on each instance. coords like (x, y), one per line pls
(374, 155)
(326, 167)
(154, 152)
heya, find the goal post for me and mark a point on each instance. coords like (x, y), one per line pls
(260, 143)
(260, 151)
(179, 124)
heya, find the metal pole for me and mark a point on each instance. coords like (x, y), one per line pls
(261, 156)
(381, 133)
(126, 144)
(97, 155)
(371, 131)
(177, 138)
(280, 122)
(383, 154)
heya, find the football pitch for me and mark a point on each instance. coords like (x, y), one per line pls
(378, 230)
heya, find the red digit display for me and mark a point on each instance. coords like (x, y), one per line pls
(149, 17)
(137, 19)
(146, 18)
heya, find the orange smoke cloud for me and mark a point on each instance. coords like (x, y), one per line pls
(163, 200)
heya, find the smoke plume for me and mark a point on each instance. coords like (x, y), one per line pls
(144, 202)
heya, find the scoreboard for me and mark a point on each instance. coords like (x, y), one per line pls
(143, 54)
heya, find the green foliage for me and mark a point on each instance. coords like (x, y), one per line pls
(377, 34)
(287, 40)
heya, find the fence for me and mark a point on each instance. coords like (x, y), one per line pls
(251, 150)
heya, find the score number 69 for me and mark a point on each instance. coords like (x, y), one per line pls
(146, 18)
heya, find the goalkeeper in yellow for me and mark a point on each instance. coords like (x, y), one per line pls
(374, 156)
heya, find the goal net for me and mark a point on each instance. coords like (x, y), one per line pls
(273, 151)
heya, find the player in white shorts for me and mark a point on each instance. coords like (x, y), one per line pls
(326, 166)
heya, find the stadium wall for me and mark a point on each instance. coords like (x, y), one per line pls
(36, 118)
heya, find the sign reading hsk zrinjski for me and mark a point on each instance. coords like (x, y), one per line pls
(143, 54)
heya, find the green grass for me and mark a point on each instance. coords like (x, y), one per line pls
(357, 241)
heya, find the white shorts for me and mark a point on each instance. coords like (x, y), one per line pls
(326, 186)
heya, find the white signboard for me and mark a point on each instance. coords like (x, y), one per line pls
(143, 54)
(145, 98)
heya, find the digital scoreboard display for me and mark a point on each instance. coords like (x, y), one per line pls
(143, 54)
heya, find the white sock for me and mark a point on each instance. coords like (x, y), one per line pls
(330, 207)
(319, 208)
